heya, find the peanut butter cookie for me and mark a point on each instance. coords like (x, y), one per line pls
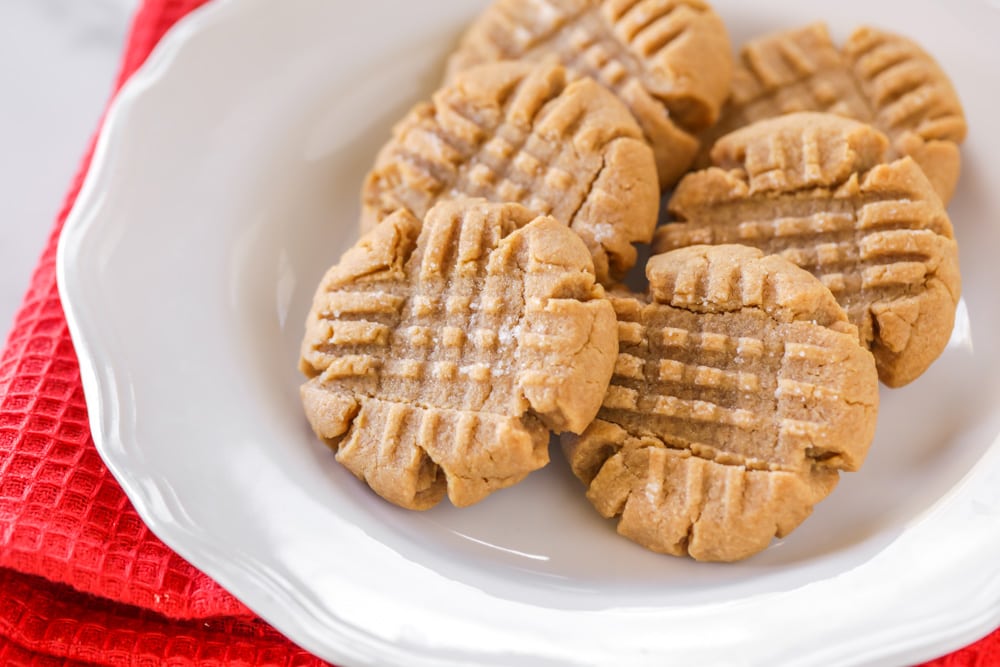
(739, 392)
(515, 132)
(670, 61)
(439, 355)
(877, 77)
(812, 188)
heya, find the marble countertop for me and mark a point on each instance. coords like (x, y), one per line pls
(58, 61)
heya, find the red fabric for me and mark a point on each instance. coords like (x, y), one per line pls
(82, 579)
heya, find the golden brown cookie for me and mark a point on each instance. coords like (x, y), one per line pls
(877, 77)
(811, 187)
(670, 61)
(439, 355)
(515, 132)
(739, 392)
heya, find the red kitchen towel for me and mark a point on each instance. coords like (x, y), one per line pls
(82, 579)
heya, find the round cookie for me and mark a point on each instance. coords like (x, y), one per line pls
(739, 392)
(440, 355)
(812, 188)
(877, 77)
(515, 132)
(670, 61)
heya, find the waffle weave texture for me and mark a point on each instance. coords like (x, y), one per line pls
(82, 580)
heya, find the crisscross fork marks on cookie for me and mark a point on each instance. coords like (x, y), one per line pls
(463, 318)
(612, 44)
(644, 41)
(668, 60)
(466, 153)
(799, 70)
(877, 78)
(740, 391)
(519, 164)
(439, 361)
(858, 258)
(907, 89)
(512, 132)
(875, 234)
(721, 386)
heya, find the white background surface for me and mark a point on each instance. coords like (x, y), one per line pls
(58, 60)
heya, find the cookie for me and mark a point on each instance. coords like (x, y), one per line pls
(877, 77)
(515, 132)
(812, 188)
(670, 61)
(440, 355)
(739, 393)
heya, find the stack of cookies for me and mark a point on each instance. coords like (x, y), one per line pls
(808, 257)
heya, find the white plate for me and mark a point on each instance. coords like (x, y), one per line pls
(226, 180)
